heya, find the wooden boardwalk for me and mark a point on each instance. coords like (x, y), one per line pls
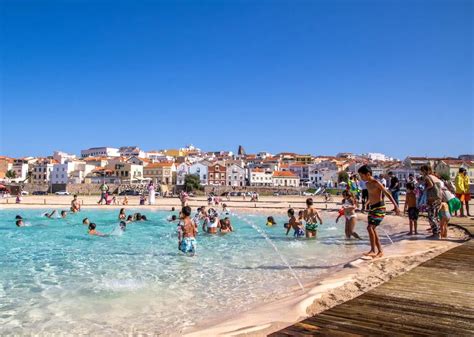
(435, 298)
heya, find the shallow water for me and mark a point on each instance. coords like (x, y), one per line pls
(56, 278)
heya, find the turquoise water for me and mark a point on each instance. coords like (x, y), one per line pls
(56, 278)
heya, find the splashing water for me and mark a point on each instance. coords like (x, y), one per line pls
(267, 238)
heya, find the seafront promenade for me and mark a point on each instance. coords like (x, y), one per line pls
(435, 298)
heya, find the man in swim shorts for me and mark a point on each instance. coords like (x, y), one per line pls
(376, 208)
(311, 216)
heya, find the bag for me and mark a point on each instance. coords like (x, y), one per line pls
(433, 193)
(454, 205)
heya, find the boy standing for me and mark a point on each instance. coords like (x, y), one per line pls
(376, 208)
(410, 205)
(187, 232)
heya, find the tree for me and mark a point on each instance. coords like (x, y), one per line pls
(192, 182)
(10, 174)
(342, 176)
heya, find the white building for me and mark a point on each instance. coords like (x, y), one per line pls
(260, 177)
(73, 172)
(323, 177)
(100, 152)
(201, 169)
(235, 175)
(21, 168)
(62, 157)
(374, 156)
(285, 179)
(182, 170)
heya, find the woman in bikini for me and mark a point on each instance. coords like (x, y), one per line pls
(349, 204)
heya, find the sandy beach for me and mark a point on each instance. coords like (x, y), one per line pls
(334, 287)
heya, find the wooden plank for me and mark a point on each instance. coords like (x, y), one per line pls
(435, 298)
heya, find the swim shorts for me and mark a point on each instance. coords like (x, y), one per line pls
(188, 245)
(299, 233)
(413, 213)
(312, 227)
(376, 213)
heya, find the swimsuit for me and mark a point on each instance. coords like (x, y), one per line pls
(442, 214)
(188, 245)
(376, 213)
(299, 233)
(313, 227)
(413, 213)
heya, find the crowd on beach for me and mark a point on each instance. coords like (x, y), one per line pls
(426, 193)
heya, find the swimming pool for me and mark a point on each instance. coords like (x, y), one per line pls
(56, 278)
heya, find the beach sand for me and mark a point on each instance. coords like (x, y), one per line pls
(336, 287)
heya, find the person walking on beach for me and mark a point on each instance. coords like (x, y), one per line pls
(462, 190)
(151, 193)
(411, 207)
(104, 189)
(394, 187)
(433, 198)
(376, 209)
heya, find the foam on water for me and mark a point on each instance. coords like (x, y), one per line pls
(55, 278)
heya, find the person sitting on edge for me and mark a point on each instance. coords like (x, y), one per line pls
(376, 211)
(297, 226)
(311, 216)
(186, 232)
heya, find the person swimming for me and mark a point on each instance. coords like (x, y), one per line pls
(86, 221)
(271, 221)
(122, 215)
(63, 214)
(172, 218)
(93, 231)
(19, 223)
(123, 226)
(49, 215)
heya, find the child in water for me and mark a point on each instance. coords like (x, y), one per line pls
(86, 221)
(271, 221)
(49, 215)
(349, 204)
(297, 226)
(63, 214)
(226, 226)
(93, 231)
(187, 232)
(311, 216)
(19, 223)
(444, 217)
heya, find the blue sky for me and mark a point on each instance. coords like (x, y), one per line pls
(316, 77)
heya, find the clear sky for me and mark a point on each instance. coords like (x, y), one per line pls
(316, 77)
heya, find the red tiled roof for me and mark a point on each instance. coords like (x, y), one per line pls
(283, 174)
(156, 165)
